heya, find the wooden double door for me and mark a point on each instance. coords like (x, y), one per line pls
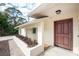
(63, 33)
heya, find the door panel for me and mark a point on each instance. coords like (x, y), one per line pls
(66, 40)
(66, 29)
(63, 33)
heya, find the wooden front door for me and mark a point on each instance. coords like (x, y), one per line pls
(64, 33)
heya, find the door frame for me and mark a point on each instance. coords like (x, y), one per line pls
(72, 31)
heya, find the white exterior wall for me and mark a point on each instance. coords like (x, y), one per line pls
(30, 34)
(39, 36)
(23, 46)
(40, 48)
(28, 31)
(22, 31)
(48, 37)
(77, 24)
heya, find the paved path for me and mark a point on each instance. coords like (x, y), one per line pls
(56, 51)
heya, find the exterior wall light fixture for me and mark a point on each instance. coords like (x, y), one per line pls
(58, 11)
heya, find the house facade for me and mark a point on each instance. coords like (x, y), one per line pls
(60, 28)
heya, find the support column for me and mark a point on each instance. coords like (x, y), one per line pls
(40, 32)
(23, 31)
(75, 35)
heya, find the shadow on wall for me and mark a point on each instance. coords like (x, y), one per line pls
(4, 48)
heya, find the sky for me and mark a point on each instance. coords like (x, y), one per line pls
(25, 8)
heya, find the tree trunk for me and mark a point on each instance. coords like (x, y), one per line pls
(15, 23)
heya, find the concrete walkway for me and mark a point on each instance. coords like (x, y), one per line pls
(56, 51)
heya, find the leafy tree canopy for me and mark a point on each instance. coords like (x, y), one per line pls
(5, 27)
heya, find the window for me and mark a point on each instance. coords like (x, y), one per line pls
(34, 30)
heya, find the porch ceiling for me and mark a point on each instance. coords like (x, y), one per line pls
(46, 8)
(40, 11)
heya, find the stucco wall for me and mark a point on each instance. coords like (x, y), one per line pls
(38, 36)
(30, 34)
(23, 46)
(28, 31)
(47, 33)
(40, 47)
(14, 49)
(78, 28)
(22, 31)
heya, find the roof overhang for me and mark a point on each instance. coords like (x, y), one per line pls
(35, 21)
(39, 11)
(46, 8)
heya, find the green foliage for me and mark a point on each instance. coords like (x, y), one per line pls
(10, 18)
(5, 27)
